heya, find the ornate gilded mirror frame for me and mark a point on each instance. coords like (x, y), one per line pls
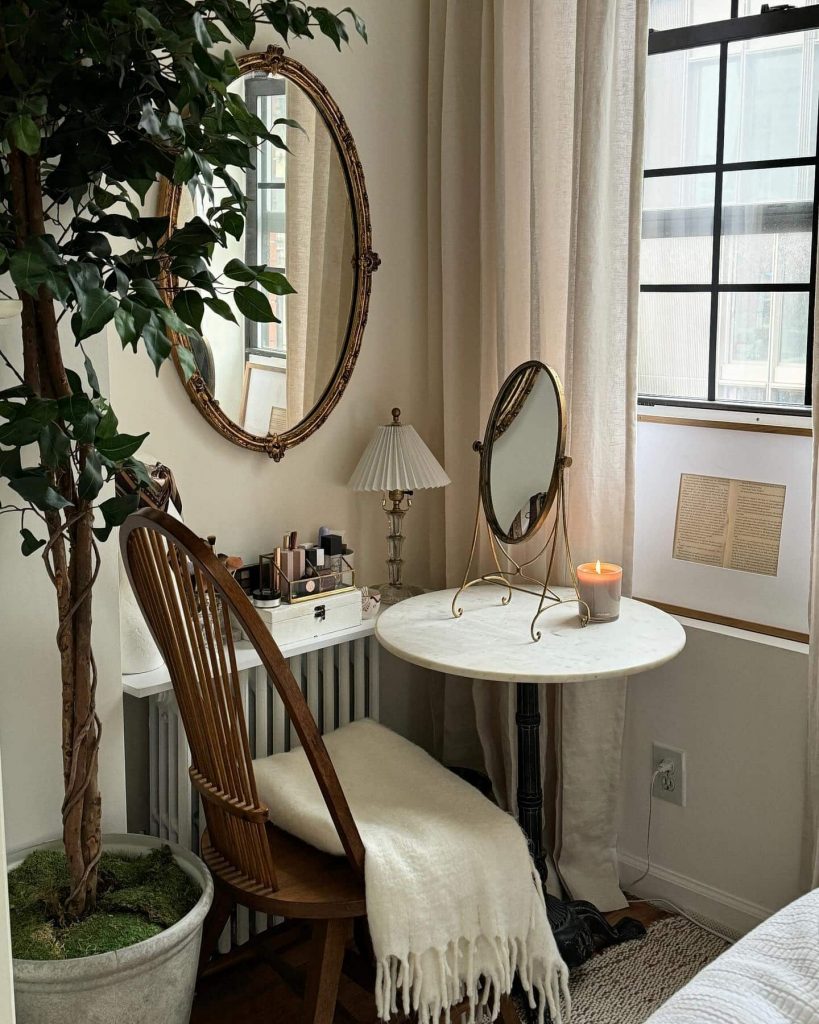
(516, 573)
(365, 261)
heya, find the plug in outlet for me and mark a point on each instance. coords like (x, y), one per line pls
(669, 785)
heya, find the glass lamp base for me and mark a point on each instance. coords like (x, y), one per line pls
(391, 594)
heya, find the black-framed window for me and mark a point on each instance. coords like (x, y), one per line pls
(265, 231)
(728, 262)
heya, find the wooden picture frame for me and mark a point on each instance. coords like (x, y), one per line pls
(259, 394)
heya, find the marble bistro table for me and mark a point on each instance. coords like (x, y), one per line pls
(492, 641)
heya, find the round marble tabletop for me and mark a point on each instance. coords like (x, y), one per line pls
(492, 641)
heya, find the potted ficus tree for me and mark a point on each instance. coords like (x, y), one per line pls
(98, 100)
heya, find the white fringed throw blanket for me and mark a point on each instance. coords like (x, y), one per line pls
(454, 903)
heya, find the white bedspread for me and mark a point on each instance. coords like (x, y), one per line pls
(771, 976)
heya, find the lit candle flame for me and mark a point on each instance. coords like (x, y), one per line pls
(597, 568)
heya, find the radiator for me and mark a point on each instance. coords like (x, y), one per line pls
(340, 684)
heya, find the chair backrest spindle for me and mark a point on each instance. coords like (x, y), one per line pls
(190, 602)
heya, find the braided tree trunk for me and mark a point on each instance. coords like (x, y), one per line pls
(72, 563)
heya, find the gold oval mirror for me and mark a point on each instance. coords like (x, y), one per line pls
(522, 451)
(269, 386)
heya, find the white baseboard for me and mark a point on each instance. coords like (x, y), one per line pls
(732, 913)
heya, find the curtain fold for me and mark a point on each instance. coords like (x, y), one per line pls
(319, 247)
(811, 872)
(535, 160)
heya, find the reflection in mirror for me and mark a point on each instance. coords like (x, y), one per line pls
(522, 448)
(267, 377)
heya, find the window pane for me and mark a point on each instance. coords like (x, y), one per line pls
(681, 107)
(673, 356)
(664, 14)
(770, 110)
(766, 226)
(755, 6)
(268, 212)
(271, 163)
(762, 341)
(678, 224)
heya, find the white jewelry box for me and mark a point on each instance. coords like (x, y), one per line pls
(291, 623)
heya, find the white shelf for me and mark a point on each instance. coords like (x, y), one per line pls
(148, 684)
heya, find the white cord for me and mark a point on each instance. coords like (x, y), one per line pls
(658, 771)
(663, 768)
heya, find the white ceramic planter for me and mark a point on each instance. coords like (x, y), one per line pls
(150, 982)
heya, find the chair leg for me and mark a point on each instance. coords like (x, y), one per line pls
(324, 970)
(215, 921)
(508, 1012)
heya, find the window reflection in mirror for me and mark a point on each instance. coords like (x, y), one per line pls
(268, 376)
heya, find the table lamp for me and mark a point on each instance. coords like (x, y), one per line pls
(397, 461)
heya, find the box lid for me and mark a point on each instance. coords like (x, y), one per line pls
(286, 612)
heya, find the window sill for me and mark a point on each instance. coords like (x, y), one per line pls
(744, 634)
(764, 422)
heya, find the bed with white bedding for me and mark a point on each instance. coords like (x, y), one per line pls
(771, 976)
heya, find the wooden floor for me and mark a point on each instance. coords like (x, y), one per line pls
(252, 992)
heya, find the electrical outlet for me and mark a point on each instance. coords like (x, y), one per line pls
(669, 786)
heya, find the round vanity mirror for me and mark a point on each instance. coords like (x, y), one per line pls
(268, 386)
(522, 450)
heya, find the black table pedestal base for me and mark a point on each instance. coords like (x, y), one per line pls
(579, 928)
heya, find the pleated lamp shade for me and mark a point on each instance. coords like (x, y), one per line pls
(396, 459)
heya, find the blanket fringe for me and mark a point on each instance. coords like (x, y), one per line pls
(544, 980)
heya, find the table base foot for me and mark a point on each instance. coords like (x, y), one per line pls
(580, 930)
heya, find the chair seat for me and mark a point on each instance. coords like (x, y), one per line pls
(311, 884)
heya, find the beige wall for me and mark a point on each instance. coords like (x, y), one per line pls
(737, 706)
(247, 500)
(6, 983)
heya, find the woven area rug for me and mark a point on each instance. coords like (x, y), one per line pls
(626, 984)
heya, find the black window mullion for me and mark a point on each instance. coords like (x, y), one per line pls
(736, 165)
(717, 238)
(812, 293)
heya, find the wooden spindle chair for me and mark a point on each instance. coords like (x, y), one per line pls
(190, 602)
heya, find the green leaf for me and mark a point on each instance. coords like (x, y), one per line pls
(254, 305)
(91, 374)
(221, 308)
(114, 513)
(24, 134)
(236, 270)
(20, 431)
(107, 426)
(38, 492)
(331, 26)
(156, 342)
(147, 20)
(186, 361)
(28, 270)
(54, 446)
(139, 470)
(90, 482)
(120, 446)
(201, 30)
(10, 463)
(97, 307)
(30, 542)
(78, 412)
(275, 283)
(146, 291)
(129, 320)
(190, 306)
(358, 21)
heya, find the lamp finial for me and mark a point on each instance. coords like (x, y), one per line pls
(396, 416)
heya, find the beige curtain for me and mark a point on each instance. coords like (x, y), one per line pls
(535, 157)
(812, 816)
(320, 247)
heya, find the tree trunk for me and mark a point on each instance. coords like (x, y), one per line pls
(72, 561)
